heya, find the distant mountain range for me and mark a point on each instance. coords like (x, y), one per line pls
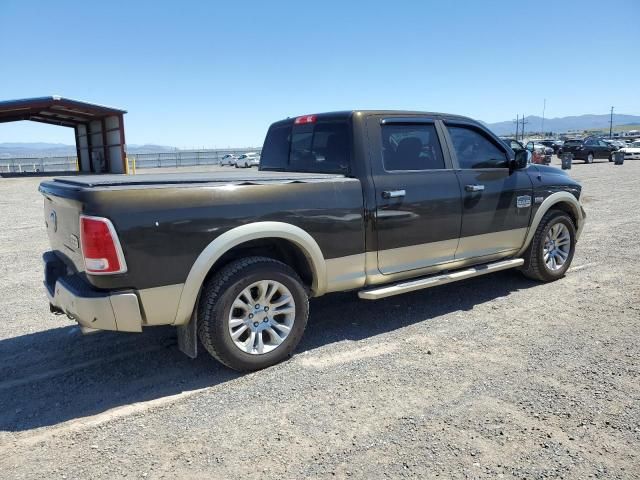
(565, 124)
(41, 149)
(534, 124)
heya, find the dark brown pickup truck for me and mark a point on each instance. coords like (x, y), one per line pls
(381, 202)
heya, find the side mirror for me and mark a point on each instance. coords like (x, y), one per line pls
(521, 159)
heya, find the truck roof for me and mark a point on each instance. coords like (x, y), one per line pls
(349, 113)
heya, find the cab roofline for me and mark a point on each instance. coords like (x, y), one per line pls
(346, 114)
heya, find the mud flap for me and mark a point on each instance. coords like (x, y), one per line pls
(188, 337)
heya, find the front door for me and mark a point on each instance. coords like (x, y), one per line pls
(418, 205)
(496, 202)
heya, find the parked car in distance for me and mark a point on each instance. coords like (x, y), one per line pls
(632, 151)
(228, 160)
(378, 202)
(589, 149)
(247, 160)
(514, 144)
(541, 153)
(615, 143)
(556, 145)
(517, 146)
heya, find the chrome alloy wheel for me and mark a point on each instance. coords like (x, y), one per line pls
(557, 246)
(261, 317)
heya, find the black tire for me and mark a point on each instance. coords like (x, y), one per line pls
(534, 265)
(215, 303)
(590, 158)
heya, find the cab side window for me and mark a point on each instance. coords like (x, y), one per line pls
(474, 150)
(411, 147)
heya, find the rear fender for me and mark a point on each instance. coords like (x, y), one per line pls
(237, 236)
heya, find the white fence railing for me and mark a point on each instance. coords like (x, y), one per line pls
(175, 159)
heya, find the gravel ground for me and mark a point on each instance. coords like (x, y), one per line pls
(492, 377)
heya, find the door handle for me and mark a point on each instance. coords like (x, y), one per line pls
(474, 188)
(393, 193)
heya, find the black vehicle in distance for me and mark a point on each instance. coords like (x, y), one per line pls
(589, 149)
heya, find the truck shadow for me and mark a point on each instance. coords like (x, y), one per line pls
(57, 375)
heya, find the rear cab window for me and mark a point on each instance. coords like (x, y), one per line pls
(411, 147)
(319, 144)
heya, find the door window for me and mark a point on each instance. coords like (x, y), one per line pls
(474, 150)
(411, 147)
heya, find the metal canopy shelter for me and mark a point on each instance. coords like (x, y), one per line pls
(99, 130)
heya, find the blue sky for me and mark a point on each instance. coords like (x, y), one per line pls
(216, 74)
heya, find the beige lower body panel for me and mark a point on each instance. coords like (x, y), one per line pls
(345, 273)
(160, 304)
(473, 250)
(413, 257)
(490, 243)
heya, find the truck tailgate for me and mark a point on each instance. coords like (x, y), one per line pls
(62, 220)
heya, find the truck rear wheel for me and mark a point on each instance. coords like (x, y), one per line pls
(551, 250)
(252, 313)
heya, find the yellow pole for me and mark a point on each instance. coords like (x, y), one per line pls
(134, 165)
(77, 165)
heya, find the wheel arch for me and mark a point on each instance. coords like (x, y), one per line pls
(563, 201)
(253, 238)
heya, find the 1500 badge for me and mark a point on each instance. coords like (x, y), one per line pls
(524, 201)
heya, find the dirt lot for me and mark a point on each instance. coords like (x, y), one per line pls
(495, 376)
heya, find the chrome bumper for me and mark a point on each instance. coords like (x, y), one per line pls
(92, 309)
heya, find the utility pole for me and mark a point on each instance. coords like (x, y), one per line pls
(517, 122)
(611, 124)
(523, 121)
(544, 107)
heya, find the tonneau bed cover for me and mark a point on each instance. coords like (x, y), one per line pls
(88, 181)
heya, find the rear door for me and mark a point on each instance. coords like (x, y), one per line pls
(418, 204)
(604, 149)
(496, 202)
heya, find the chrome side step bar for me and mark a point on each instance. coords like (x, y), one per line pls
(435, 280)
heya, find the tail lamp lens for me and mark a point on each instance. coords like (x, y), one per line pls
(100, 246)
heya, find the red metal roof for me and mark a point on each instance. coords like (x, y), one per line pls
(54, 110)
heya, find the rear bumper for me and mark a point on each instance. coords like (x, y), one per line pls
(91, 308)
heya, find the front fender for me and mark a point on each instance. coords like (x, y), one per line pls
(552, 200)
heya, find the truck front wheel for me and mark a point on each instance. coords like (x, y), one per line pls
(551, 250)
(252, 313)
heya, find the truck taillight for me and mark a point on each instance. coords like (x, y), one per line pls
(305, 119)
(100, 246)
